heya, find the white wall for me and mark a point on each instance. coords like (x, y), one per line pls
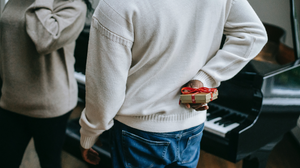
(275, 12)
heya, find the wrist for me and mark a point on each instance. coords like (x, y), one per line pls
(206, 80)
(87, 142)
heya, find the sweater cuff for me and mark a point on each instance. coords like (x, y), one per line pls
(207, 80)
(87, 142)
(44, 3)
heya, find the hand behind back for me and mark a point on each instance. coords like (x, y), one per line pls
(197, 106)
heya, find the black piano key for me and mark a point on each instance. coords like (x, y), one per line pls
(228, 122)
(242, 120)
(217, 114)
(228, 119)
(225, 119)
(215, 111)
(236, 119)
(212, 109)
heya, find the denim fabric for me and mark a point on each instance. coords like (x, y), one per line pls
(133, 148)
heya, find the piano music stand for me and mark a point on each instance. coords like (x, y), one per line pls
(295, 29)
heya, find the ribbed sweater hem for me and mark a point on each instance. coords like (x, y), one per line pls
(207, 80)
(160, 123)
(87, 142)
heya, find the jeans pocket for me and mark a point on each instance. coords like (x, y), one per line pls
(192, 149)
(143, 152)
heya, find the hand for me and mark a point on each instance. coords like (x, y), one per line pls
(90, 155)
(197, 106)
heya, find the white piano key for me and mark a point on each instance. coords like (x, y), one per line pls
(217, 129)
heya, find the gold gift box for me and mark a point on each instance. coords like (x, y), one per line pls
(199, 97)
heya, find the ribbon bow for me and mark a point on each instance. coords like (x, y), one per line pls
(194, 91)
(189, 90)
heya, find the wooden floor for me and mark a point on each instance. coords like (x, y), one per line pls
(285, 155)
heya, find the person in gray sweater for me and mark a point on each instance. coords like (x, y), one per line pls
(37, 41)
(141, 53)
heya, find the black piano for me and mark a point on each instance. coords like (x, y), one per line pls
(259, 105)
(252, 113)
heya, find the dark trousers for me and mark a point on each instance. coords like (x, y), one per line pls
(16, 131)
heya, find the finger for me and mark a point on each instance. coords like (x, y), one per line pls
(92, 158)
(197, 105)
(185, 90)
(194, 84)
(93, 162)
(92, 151)
(189, 84)
(188, 105)
(202, 108)
(92, 155)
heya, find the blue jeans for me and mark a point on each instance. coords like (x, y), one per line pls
(133, 148)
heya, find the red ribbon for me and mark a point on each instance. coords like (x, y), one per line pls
(194, 91)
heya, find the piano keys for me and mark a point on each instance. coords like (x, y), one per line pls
(220, 120)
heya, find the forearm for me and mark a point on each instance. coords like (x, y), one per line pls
(108, 63)
(51, 25)
(245, 37)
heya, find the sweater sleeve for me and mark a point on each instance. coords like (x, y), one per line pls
(52, 25)
(108, 63)
(245, 37)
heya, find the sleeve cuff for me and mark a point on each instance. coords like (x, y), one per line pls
(207, 80)
(87, 142)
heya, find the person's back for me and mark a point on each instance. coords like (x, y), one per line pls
(142, 52)
(37, 62)
(39, 91)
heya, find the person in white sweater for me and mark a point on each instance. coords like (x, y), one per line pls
(39, 91)
(140, 54)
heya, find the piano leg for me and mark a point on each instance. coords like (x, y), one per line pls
(259, 158)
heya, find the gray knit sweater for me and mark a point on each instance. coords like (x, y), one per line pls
(37, 40)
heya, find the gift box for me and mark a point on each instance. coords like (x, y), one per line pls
(200, 95)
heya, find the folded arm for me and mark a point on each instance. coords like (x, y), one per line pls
(52, 25)
(245, 37)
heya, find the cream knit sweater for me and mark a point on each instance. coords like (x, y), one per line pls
(141, 52)
(37, 41)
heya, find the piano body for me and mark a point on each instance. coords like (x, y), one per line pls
(255, 108)
(259, 105)
(253, 111)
